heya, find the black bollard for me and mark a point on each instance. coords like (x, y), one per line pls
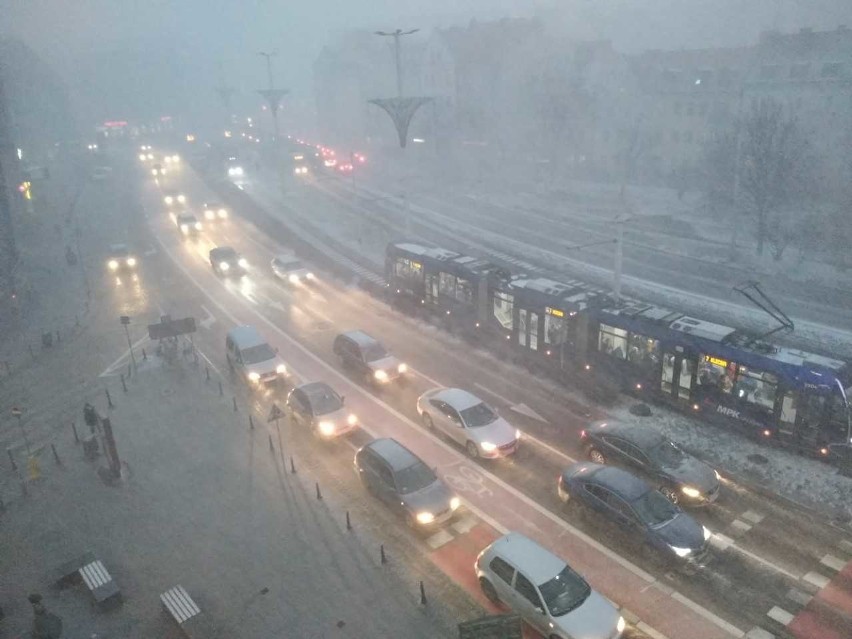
(348, 522)
(207, 373)
(292, 466)
(144, 355)
(58, 339)
(251, 422)
(76, 436)
(55, 455)
(109, 399)
(271, 447)
(382, 554)
(319, 494)
(422, 594)
(2, 509)
(123, 384)
(12, 459)
(220, 389)
(235, 404)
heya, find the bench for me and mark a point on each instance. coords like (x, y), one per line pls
(99, 582)
(186, 613)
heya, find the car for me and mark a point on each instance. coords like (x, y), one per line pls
(226, 261)
(680, 476)
(637, 508)
(171, 159)
(248, 352)
(317, 406)
(366, 356)
(469, 421)
(173, 198)
(345, 167)
(404, 482)
(545, 591)
(120, 258)
(187, 223)
(158, 170)
(291, 269)
(215, 211)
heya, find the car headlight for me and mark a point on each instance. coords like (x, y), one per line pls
(352, 419)
(175, 158)
(198, 226)
(131, 261)
(309, 275)
(294, 279)
(619, 627)
(150, 156)
(208, 214)
(224, 266)
(425, 518)
(707, 533)
(113, 265)
(488, 447)
(689, 491)
(142, 156)
(517, 433)
(680, 552)
(381, 376)
(184, 228)
(326, 428)
(223, 213)
(154, 172)
(243, 262)
(254, 376)
(169, 199)
(402, 368)
(455, 502)
(281, 369)
(181, 198)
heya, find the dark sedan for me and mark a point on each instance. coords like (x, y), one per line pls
(679, 476)
(637, 508)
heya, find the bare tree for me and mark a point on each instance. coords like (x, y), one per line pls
(776, 172)
(718, 170)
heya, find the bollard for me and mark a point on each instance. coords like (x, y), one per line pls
(55, 455)
(109, 399)
(123, 385)
(271, 447)
(382, 554)
(251, 422)
(220, 389)
(422, 594)
(2, 509)
(348, 523)
(58, 339)
(207, 373)
(12, 459)
(292, 466)
(319, 494)
(235, 404)
(30, 346)
(144, 355)
(76, 436)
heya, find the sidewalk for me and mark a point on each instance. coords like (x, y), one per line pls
(205, 504)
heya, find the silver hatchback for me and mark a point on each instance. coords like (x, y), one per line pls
(545, 591)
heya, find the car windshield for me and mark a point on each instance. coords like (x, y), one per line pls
(564, 592)
(478, 415)
(255, 354)
(325, 401)
(416, 477)
(374, 351)
(654, 509)
(666, 453)
(226, 255)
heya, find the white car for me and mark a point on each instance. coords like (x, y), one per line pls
(469, 421)
(291, 269)
(544, 590)
(174, 197)
(214, 211)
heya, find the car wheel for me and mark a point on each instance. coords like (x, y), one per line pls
(669, 493)
(489, 591)
(427, 422)
(597, 456)
(472, 450)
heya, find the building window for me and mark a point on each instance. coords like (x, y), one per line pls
(503, 306)
(613, 341)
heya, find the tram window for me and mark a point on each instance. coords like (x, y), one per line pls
(503, 305)
(837, 413)
(756, 387)
(554, 329)
(716, 373)
(613, 341)
(406, 268)
(643, 350)
(464, 291)
(447, 284)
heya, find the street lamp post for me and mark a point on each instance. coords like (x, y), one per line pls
(396, 35)
(125, 321)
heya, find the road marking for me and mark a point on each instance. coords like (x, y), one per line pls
(801, 598)
(740, 526)
(523, 409)
(208, 321)
(720, 541)
(648, 630)
(780, 615)
(464, 524)
(493, 394)
(759, 633)
(625, 563)
(763, 561)
(439, 539)
(833, 562)
(207, 359)
(753, 517)
(845, 545)
(818, 580)
(111, 368)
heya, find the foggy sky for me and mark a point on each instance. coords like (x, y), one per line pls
(156, 56)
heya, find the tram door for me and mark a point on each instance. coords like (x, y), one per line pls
(528, 329)
(678, 371)
(431, 289)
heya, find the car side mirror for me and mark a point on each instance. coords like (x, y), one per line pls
(541, 610)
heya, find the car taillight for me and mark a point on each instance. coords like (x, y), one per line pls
(583, 434)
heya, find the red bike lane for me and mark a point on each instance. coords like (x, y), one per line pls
(828, 615)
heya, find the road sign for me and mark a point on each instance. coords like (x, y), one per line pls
(125, 320)
(171, 328)
(275, 413)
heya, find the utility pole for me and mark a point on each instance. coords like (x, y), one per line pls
(269, 55)
(396, 35)
(271, 94)
(735, 195)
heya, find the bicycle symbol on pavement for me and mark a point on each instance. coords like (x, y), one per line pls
(469, 480)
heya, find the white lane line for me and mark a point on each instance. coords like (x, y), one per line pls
(740, 526)
(759, 633)
(835, 563)
(439, 539)
(648, 630)
(818, 580)
(464, 524)
(720, 541)
(493, 394)
(753, 517)
(207, 359)
(109, 369)
(845, 545)
(801, 598)
(625, 563)
(765, 562)
(435, 382)
(780, 615)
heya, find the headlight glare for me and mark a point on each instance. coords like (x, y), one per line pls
(455, 502)
(113, 264)
(425, 518)
(402, 368)
(254, 376)
(707, 533)
(281, 369)
(224, 266)
(131, 261)
(326, 428)
(352, 419)
(243, 262)
(294, 279)
(488, 447)
(619, 627)
(381, 376)
(689, 491)
(680, 552)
